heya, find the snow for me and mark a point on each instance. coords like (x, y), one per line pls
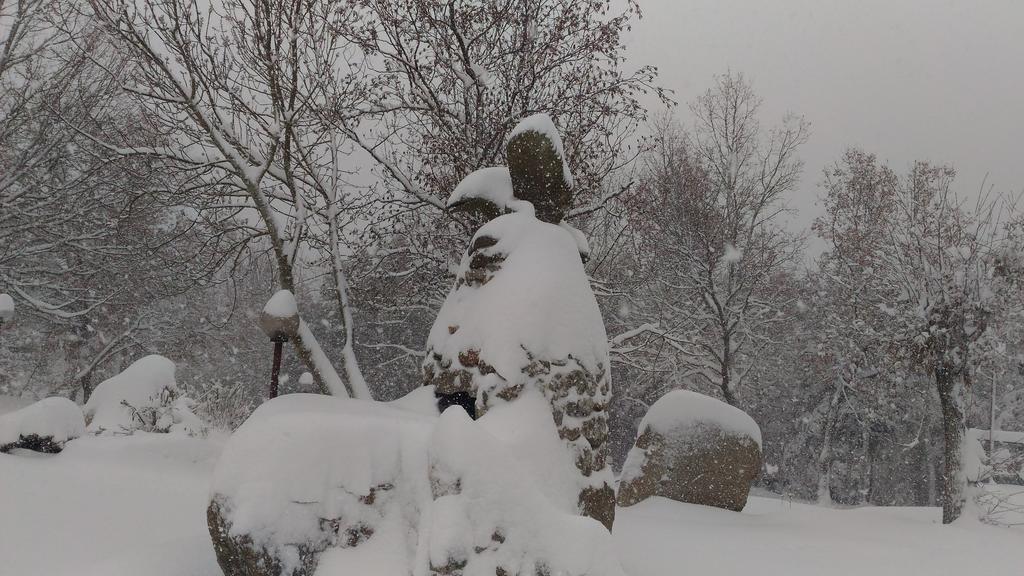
(582, 244)
(685, 408)
(281, 305)
(130, 505)
(6, 307)
(1005, 436)
(774, 537)
(109, 506)
(974, 458)
(497, 474)
(539, 301)
(57, 418)
(493, 184)
(301, 458)
(451, 484)
(732, 254)
(143, 397)
(496, 494)
(543, 124)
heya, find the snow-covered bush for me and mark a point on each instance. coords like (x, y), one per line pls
(339, 486)
(44, 426)
(693, 448)
(144, 397)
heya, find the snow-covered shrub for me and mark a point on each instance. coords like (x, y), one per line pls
(693, 448)
(44, 426)
(522, 315)
(339, 486)
(144, 397)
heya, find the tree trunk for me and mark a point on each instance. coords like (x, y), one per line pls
(951, 390)
(354, 380)
(726, 370)
(825, 454)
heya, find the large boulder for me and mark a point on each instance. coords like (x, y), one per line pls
(693, 448)
(317, 484)
(522, 317)
(42, 427)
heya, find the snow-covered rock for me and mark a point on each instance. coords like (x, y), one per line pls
(43, 427)
(521, 317)
(487, 190)
(327, 485)
(143, 397)
(538, 167)
(695, 449)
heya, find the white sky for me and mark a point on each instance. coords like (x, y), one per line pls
(941, 80)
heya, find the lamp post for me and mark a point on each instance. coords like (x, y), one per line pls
(279, 320)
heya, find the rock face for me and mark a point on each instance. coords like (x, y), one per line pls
(522, 315)
(695, 449)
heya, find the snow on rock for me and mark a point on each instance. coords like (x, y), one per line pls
(493, 185)
(522, 317)
(537, 306)
(307, 472)
(44, 426)
(331, 486)
(685, 408)
(490, 516)
(143, 397)
(692, 448)
(6, 307)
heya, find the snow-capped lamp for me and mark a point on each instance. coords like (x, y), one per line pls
(279, 320)
(6, 309)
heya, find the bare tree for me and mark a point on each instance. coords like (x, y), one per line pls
(236, 91)
(710, 221)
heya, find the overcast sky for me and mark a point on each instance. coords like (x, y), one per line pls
(932, 79)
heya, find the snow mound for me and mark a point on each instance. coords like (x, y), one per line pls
(53, 421)
(344, 486)
(7, 307)
(542, 124)
(539, 303)
(684, 408)
(143, 397)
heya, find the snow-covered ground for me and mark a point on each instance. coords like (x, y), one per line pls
(133, 505)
